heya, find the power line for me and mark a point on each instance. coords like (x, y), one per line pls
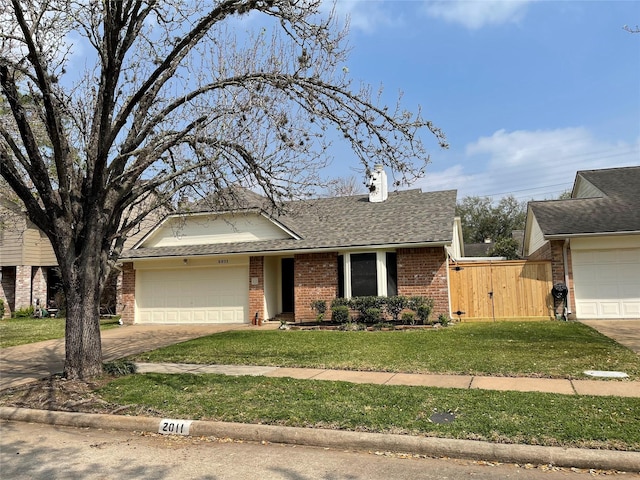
(528, 189)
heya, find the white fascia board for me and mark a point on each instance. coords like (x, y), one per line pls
(281, 226)
(561, 236)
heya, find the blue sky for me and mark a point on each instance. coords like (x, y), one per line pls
(528, 92)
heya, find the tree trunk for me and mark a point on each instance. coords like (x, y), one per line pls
(83, 350)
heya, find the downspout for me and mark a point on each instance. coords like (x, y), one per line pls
(566, 273)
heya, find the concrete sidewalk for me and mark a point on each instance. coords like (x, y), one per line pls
(618, 388)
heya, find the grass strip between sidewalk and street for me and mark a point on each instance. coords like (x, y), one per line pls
(535, 349)
(505, 417)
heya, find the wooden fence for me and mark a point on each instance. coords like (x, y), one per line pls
(501, 290)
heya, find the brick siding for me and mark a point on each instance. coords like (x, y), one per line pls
(126, 293)
(423, 272)
(23, 287)
(558, 273)
(256, 291)
(39, 285)
(316, 278)
(8, 290)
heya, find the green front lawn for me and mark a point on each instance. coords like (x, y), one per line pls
(19, 331)
(547, 349)
(504, 417)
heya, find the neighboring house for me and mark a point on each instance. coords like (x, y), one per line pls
(28, 266)
(593, 242)
(243, 264)
(26, 260)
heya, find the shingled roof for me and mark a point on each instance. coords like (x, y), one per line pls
(409, 217)
(613, 207)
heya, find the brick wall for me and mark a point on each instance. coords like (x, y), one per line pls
(543, 253)
(423, 271)
(256, 289)
(39, 285)
(316, 278)
(558, 273)
(8, 290)
(23, 286)
(126, 293)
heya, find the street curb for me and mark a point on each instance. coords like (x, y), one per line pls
(467, 449)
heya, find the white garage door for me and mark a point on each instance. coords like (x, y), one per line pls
(607, 283)
(192, 295)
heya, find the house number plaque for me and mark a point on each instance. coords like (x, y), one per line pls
(169, 426)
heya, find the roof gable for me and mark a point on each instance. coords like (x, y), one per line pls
(214, 228)
(603, 201)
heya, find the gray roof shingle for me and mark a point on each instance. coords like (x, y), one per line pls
(406, 217)
(617, 211)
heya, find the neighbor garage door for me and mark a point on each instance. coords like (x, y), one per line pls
(607, 283)
(192, 295)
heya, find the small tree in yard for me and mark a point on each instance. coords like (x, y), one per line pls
(173, 99)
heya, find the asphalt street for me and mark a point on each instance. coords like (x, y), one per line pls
(39, 451)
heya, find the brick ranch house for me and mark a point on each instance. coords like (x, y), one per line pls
(243, 264)
(593, 242)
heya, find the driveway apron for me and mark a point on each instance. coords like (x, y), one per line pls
(625, 332)
(34, 361)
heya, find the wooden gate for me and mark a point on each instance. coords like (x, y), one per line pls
(501, 290)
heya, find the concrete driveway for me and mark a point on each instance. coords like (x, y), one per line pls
(625, 332)
(26, 363)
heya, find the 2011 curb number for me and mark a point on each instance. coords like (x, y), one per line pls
(170, 426)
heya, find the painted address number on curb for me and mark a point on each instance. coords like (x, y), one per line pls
(170, 426)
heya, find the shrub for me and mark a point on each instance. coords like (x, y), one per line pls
(394, 305)
(340, 314)
(372, 315)
(26, 312)
(352, 327)
(119, 368)
(362, 304)
(383, 325)
(423, 313)
(1, 308)
(340, 302)
(413, 303)
(409, 318)
(444, 320)
(320, 307)
(422, 306)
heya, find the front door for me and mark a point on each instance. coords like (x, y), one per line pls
(287, 285)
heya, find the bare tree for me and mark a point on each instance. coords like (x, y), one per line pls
(344, 186)
(174, 98)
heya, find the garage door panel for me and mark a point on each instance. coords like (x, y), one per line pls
(193, 295)
(607, 283)
(632, 309)
(587, 310)
(610, 309)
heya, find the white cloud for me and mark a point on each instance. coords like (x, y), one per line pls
(366, 16)
(475, 14)
(537, 164)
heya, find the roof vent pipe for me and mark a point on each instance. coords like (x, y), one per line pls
(378, 184)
